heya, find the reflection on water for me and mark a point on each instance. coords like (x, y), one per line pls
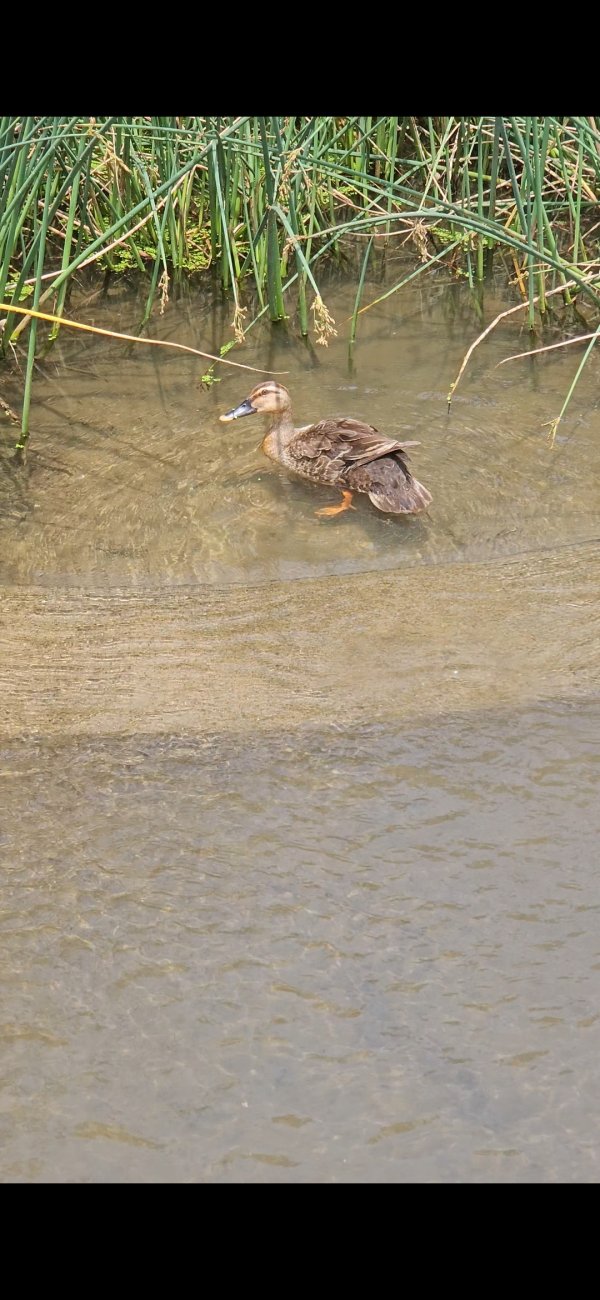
(300, 876)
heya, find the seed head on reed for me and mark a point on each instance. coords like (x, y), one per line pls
(238, 322)
(323, 322)
(418, 235)
(283, 191)
(163, 285)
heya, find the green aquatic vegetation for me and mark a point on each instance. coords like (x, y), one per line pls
(262, 202)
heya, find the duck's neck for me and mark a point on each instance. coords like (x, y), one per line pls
(280, 428)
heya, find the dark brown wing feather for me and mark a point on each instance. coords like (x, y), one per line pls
(355, 454)
(390, 485)
(348, 441)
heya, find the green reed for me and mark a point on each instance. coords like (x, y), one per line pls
(259, 202)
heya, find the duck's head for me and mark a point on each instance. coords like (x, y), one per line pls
(266, 397)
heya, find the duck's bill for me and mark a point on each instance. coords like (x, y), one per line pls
(244, 408)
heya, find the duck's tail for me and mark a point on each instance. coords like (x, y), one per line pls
(389, 484)
(406, 497)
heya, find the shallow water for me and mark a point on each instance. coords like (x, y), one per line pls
(300, 816)
(133, 478)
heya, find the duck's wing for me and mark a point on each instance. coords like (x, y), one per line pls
(349, 441)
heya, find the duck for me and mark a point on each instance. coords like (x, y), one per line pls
(339, 451)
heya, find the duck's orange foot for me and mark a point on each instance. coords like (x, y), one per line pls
(326, 512)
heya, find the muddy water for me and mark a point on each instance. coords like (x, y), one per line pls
(300, 817)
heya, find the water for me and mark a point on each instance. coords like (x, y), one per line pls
(300, 816)
(134, 480)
